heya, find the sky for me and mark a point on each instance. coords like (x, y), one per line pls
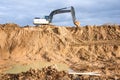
(88, 12)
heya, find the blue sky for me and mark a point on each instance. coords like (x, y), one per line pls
(88, 12)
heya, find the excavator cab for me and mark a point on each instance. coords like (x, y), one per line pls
(48, 19)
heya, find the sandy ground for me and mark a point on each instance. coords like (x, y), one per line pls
(83, 49)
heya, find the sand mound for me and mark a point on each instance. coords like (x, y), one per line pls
(89, 48)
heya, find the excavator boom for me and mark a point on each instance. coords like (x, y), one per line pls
(62, 10)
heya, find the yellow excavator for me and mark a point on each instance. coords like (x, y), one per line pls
(48, 19)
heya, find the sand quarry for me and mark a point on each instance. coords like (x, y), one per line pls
(49, 52)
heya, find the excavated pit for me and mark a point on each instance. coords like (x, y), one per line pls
(83, 49)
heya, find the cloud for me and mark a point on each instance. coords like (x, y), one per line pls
(99, 12)
(91, 12)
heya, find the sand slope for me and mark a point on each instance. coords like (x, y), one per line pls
(89, 48)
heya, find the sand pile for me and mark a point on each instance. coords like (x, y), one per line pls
(89, 48)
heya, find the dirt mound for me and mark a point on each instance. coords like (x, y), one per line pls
(89, 48)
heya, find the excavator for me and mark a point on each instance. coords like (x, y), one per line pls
(47, 20)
